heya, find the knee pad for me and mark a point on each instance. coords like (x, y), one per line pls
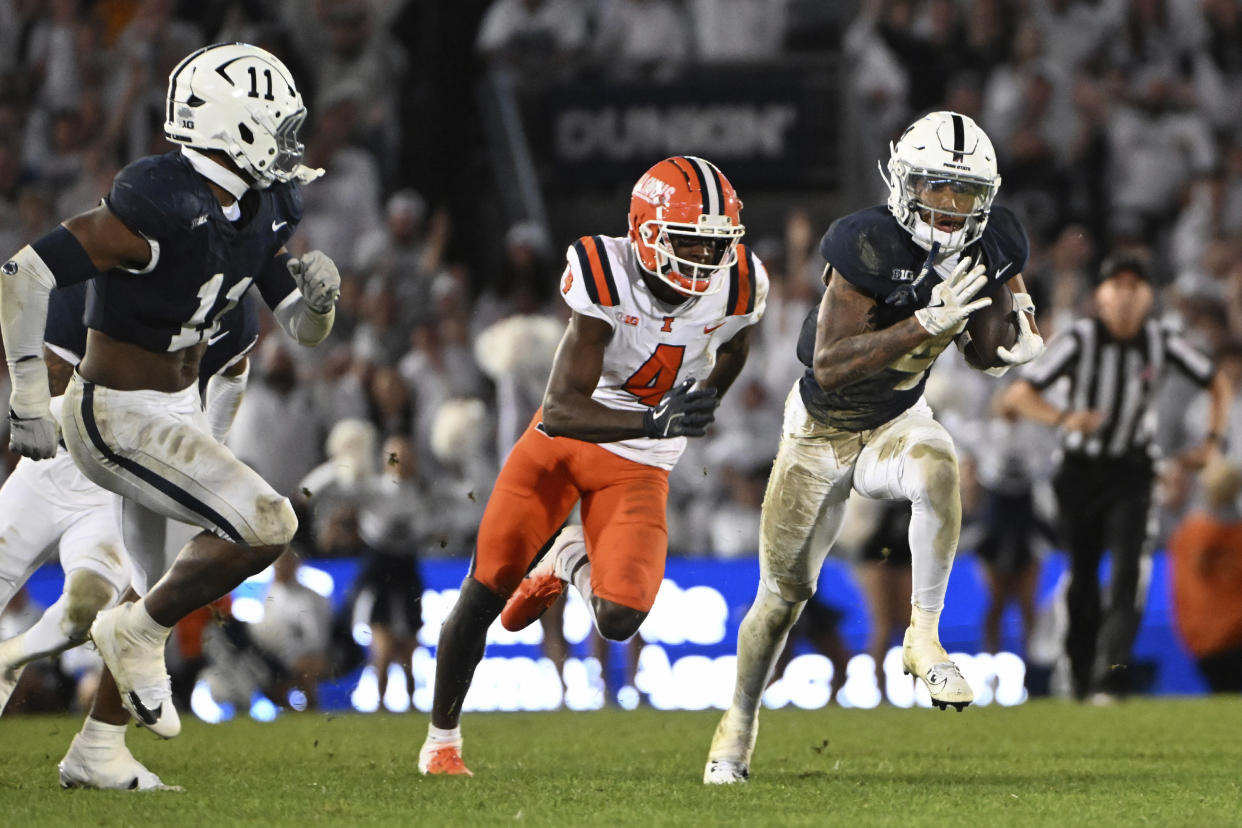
(781, 608)
(86, 593)
(275, 521)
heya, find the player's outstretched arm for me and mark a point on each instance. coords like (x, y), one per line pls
(73, 252)
(847, 347)
(311, 285)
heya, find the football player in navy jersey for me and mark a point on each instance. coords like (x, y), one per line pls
(901, 281)
(176, 243)
(48, 505)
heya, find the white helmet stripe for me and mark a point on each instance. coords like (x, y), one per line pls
(709, 180)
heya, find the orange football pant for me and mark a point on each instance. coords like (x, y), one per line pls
(623, 517)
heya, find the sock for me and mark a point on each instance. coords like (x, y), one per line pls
(45, 637)
(101, 735)
(925, 623)
(145, 628)
(568, 560)
(443, 735)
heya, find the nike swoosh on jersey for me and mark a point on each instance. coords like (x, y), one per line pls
(217, 337)
(276, 225)
(709, 328)
(1001, 272)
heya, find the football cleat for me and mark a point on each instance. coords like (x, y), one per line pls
(729, 756)
(9, 674)
(115, 769)
(138, 668)
(725, 772)
(931, 664)
(541, 587)
(442, 760)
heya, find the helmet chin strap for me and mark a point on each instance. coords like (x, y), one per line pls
(925, 236)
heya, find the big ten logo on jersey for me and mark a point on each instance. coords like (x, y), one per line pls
(652, 190)
(627, 319)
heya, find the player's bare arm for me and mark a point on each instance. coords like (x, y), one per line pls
(730, 360)
(847, 348)
(568, 410)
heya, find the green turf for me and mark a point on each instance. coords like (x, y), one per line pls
(1168, 762)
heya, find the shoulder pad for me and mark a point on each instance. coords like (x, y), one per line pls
(872, 252)
(288, 200)
(589, 259)
(158, 196)
(1005, 244)
(748, 285)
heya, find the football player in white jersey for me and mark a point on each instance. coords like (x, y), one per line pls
(902, 279)
(660, 329)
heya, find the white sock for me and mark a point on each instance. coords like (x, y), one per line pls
(101, 735)
(45, 637)
(925, 623)
(567, 560)
(145, 628)
(444, 736)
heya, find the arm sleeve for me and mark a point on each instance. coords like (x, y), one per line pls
(300, 322)
(224, 396)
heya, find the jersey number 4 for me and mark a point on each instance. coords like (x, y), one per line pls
(657, 375)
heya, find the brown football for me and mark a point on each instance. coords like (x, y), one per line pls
(990, 328)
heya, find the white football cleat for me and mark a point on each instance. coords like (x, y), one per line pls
(9, 674)
(138, 668)
(931, 664)
(725, 772)
(113, 769)
(728, 759)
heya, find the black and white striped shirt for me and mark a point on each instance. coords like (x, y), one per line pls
(1117, 379)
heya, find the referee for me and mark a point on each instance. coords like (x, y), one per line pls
(1113, 361)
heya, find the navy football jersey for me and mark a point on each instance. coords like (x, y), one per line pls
(238, 330)
(202, 263)
(876, 255)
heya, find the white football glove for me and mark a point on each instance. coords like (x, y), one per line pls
(948, 308)
(1029, 344)
(318, 280)
(33, 431)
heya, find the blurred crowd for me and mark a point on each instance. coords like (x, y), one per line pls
(1116, 127)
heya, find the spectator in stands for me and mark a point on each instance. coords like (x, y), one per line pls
(336, 489)
(1206, 552)
(538, 38)
(641, 38)
(406, 253)
(738, 30)
(295, 631)
(393, 520)
(276, 395)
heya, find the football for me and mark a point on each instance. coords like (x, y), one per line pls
(993, 327)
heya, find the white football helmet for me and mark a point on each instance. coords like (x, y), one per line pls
(947, 154)
(242, 100)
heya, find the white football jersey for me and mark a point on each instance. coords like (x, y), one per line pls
(655, 346)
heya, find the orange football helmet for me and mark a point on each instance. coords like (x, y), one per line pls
(685, 199)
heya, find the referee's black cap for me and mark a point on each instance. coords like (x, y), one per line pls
(1126, 262)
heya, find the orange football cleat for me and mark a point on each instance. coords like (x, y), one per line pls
(534, 595)
(445, 761)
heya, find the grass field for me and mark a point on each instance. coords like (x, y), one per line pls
(1167, 762)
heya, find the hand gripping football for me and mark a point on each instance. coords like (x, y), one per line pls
(995, 326)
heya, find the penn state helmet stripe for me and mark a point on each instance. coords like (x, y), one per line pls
(146, 475)
(172, 81)
(959, 137)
